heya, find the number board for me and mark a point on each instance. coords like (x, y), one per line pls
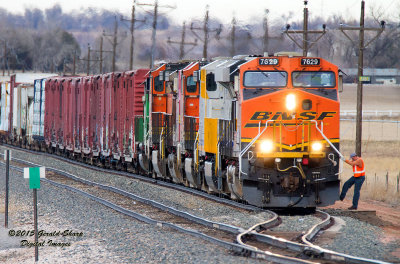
(310, 61)
(268, 61)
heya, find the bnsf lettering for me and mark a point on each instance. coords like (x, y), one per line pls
(325, 115)
(261, 116)
(285, 116)
(309, 115)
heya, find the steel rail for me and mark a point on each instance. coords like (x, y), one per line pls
(242, 249)
(308, 248)
(313, 231)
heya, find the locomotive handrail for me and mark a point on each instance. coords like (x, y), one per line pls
(250, 144)
(217, 164)
(195, 151)
(162, 143)
(327, 140)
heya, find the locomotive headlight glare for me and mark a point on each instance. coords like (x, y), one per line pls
(290, 102)
(266, 146)
(316, 146)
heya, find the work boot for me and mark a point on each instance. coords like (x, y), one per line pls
(352, 208)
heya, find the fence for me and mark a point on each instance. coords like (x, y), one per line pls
(389, 181)
(382, 187)
(375, 130)
(371, 113)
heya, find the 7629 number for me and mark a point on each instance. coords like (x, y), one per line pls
(268, 61)
(310, 61)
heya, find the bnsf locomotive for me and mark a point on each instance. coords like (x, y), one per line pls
(257, 129)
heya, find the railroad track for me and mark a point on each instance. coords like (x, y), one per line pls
(161, 182)
(250, 242)
(160, 215)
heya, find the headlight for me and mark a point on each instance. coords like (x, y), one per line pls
(290, 102)
(316, 146)
(266, 146)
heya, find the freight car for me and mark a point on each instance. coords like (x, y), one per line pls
(19, 119)
(264, 130)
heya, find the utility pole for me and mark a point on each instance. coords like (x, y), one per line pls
(101, 51)
(266, 33)
(4, 58)
(132, 29)
(206, 29)
(114, 42)
(153, 35)
(74, 64)
(233, 36)
(182, 43)
(305, 47)
(101, 55)
(361, 48)
(88, 61)
(267, 37)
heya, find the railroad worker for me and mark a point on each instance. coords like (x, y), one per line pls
(357, 179)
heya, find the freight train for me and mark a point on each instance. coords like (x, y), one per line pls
(258, 129)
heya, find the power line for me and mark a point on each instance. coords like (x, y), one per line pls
(182, 43)
(266, 36)
(153, 35)
(305, 46)
(206, 30)
(114, 42)
(132, 29)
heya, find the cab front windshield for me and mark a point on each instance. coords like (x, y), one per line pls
(313, 79)
(265, 79)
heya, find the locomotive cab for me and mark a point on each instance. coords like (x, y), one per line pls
(164, 88)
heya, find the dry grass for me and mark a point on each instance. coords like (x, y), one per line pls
(381, 159)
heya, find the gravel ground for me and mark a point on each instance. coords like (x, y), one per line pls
(361, 239)
(180, 200)
(118, 239)
(108, 237)
(297, 223)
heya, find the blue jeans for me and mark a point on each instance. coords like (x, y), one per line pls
(358, 182)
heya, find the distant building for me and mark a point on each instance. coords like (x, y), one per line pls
(377, 76)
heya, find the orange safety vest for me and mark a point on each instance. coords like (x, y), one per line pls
(358, 172)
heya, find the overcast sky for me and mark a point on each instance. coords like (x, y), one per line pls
(244, 10)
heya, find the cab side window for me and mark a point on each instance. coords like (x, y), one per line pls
(191, 86)
(211, 84)
(158, 85)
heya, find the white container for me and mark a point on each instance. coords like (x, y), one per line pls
(5, 106)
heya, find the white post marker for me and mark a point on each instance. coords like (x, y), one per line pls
(5, 154)
(34, 175)
(7, 158)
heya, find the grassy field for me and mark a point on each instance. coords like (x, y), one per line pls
(381, 159)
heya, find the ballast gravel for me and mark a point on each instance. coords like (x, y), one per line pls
(118, 239)
(361, 239)
(195, 205)
(107, 236)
